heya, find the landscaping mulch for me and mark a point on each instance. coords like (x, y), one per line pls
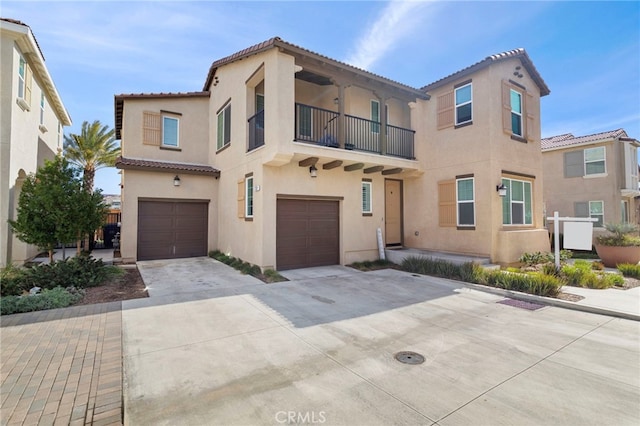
(125, 287)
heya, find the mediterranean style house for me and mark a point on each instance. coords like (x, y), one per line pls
(592, 176)
(32, 117)
(287, 158)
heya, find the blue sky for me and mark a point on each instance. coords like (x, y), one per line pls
(587, 52)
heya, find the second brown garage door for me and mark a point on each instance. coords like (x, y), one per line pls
(307, 233)
(172, 229)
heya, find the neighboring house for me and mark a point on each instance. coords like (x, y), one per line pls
(32, 117)
(288, 159)
(592, 176)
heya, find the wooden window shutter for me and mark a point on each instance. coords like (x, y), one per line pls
(151, 128)
(532, 132)
(28, 77)
(241, 198)
(574, 164)
(506, 108)
(447, 203)
(445, 110)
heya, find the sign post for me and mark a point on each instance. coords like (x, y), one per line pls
(578, 233)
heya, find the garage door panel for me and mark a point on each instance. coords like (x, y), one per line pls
(307, 233)
(172, 229)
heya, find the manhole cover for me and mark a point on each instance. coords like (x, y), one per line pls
(408, 357)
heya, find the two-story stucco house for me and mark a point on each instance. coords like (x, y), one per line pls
(592, 176)
(32, 117)
(288, 158)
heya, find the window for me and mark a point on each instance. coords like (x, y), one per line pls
(624, 211)
(22, 76)
(248, 198)
(516, 113)
(465, 201)
(169, 131)
(516, 205)
(594, 162)
(596, 211)
(41, 109)
(366, 197)
(463, 104)
(224, 127)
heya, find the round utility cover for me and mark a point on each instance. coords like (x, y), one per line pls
(408, 357)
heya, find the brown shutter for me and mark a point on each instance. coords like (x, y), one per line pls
(28, 76)
(445, 110)
(531, 131)
(506, 108)
(447, 203)
(241, 198)
(151, 128)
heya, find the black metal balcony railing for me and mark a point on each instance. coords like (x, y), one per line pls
(321, 127)
(256, 131)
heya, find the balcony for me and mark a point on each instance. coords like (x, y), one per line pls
(323, 127)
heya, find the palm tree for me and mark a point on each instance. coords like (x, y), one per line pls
(93, 149)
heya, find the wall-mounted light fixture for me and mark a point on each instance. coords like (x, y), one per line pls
(502, 190)
(313, 171)
(336, 101)
(176, 181)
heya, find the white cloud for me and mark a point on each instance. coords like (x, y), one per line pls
(395, 21)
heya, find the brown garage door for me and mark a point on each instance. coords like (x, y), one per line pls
(171, 229)
(307, 234)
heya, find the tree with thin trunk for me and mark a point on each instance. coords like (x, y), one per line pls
(94, 148)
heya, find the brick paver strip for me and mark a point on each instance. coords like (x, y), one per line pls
(62, 366)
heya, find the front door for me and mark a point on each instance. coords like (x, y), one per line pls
(393, 212)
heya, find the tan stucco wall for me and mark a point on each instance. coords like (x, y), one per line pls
(481, 149)
(24, 145)
(562, 193)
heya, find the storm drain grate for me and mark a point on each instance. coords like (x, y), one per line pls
(408, 357)
(521, 304)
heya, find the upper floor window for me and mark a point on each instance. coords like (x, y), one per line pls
(42, 103)
(366, 197)
(170, 127)
(594, 161)
(516, 205)
(466, 202)
(516, 113)
(463, 109)
(24, 84)
(224, 126)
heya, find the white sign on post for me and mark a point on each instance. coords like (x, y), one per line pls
(578, 235)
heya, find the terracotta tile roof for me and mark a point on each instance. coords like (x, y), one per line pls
(561, 141)
(165, 166)
(119, 102)
(516, 53)
(295, 49)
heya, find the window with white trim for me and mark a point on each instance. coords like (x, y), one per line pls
(224, 127)
(42, 103)
(170, 131)
(516, 205)
(624, 211)
(516, 112)
(248, 197)
(366, 197)
(22, 78)
(594, 161)
(463, 109)
(596, 211)
(465, 199)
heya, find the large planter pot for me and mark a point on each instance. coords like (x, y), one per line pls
(612, 256)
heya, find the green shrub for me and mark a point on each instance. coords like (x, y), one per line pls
(12, 281)
(629, 270)
(550, 269)
(272, 276)
(57, 297)
(80, 271)
(540, 258)
(429, 266)
(620, 235)
(472, 273)
(581, 274)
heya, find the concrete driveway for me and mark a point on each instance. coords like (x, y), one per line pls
(212, 346)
